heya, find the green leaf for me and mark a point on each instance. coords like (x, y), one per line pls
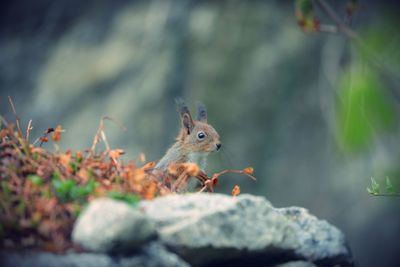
(128, 198)
(68, 190)
(363, 108)
(375, 186)
(56, 174)
(77, 192)
(79, 160)
(63, 186)
(389, 186)
(56, 184)
(65, 190)
(91, 186)
(382, 39)
(35, 179)
(369, 190)
(74, 166)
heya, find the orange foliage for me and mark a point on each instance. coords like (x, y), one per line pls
(235, 191)
(56, 135)
(248, 170)
(42, 192)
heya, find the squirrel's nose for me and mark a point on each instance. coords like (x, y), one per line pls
(218, 146)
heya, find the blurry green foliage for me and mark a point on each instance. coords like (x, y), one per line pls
(128, 198)
(68, 190)
(35, 179)
(363, 107)
(389, 186)
(306, 7)
(383, 40)
(375, 188)
(74, 166)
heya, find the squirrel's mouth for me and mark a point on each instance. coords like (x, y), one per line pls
(215, 148)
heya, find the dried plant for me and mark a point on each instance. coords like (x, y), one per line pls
(43, 192)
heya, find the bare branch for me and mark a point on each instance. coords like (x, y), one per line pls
(28, 130)
(337, 20)
(328, 28)
(375, 59)
(100, 134)
(16, 116)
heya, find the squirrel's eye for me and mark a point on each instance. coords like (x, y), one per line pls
(201, 135)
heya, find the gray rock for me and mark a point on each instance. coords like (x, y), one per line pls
(46, 259)
(212, 228)
(111, 226)
(151, 255)
(198, 229)
(320, 241)
(296, 264)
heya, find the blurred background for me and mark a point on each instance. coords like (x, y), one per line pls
(315, 115)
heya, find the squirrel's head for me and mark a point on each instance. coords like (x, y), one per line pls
(197, 135)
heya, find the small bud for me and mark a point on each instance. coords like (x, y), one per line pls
(235, 191)
(248, 170)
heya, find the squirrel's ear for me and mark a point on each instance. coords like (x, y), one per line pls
(201, 112)
(186, 118)
(187, 122)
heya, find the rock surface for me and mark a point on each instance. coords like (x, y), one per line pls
(109, 226)
(320, 242)
(208, 228)
(151, 255)
(197, 230)
(296, 264)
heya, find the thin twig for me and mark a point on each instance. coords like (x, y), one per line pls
(202, 177)
(36, 140)
(44, 137)
(208, 183)
(336, 19)
(328, 28)
(104, 138)
(16, 116)
(101, 134)
(96, 137)
(236, 171)
(202, 189)
(28, 130)
(4, 121)
(179, 181)
(118, 123)
(373, 57)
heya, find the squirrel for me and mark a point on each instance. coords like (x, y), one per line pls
(195, 140)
